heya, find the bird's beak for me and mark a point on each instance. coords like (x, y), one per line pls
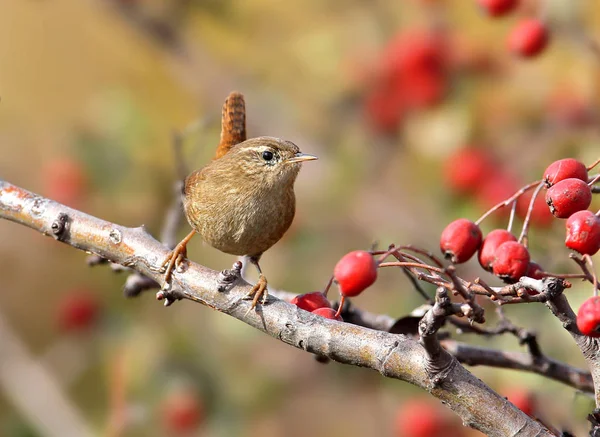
(300, 157)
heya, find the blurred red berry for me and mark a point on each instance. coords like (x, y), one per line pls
(415, 63)
(182, 412)
(569, 108)
(460, 240)
(540, 214)
(466, 169)
(588, 317)
(568, 196)
(355, 272)
(487, 251)
(78, 311)
(383, 110)
(424, 89)
(496, 188)
(421, 418)
(562, 169)
(522, 399)
(512, 261)
(311, 301)
(415, 51)
(583, 232)
(328, 313)
(529, 38)
(64, 181)
(497, 8)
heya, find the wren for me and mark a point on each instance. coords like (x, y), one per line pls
(243, 202)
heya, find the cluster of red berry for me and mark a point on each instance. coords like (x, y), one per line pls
(354, 273)
(411, 75)
(530, 36)
(474, 173)
(414, 69)
(568, 196)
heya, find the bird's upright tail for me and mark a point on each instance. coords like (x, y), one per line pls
(233, 123)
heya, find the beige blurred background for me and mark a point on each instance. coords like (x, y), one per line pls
(91, 92)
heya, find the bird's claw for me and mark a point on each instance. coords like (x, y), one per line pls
(258, 290)
(175, 260)
(228, 277)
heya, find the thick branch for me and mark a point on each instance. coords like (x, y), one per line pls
(478, 356)
(394, 356)
(590, 347)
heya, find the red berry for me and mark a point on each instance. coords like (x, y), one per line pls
(420, 418)
(568, 196)
(466, 170)
(487, 251)
(512, 261)
(311, 301)
(77, 311)
(415, 64)
(523, 400)
(528, 39)
(460, 240)
(497, 8)
(588, 317)
(328, 313)
(583, 232)
(354, 272)
(535, 271)
(565, 169)
(182, 412)
(384, 110)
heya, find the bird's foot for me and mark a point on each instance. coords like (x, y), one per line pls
(176, 260)
(258, 290)
(228, 277)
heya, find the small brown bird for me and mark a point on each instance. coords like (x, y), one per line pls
(243, 201)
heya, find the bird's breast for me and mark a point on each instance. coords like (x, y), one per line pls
(240, 220)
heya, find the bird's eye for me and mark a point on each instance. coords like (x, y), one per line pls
(267, 155)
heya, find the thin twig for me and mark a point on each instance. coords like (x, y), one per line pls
(507, 202)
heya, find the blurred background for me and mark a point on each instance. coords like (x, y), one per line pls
(420, 112)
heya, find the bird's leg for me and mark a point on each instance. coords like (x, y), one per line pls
(260, 288)
(175, 258)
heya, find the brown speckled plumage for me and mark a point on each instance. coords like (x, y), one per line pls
(240, 203)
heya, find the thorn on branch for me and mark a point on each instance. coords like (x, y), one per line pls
(60, 227)
(167, 294)
(227, 278)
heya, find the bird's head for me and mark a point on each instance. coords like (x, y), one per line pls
(267, 160)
